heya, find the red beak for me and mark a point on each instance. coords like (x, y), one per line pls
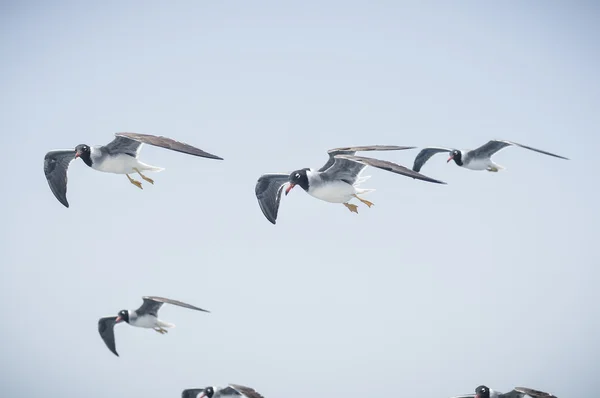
(77, 155)
(289, 188)
(119, 319)
(450, 158)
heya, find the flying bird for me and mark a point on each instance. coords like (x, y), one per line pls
(336, 182)
(120, 156)
(144, 317)
(476, 159)
(517, 392)
(232, 390)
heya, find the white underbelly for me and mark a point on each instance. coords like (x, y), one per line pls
(119, 164)
(479, 164)
(333, 192)
(145, 321)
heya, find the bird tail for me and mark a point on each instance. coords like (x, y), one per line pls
(164, 324)
(155, 169)
(363, 191)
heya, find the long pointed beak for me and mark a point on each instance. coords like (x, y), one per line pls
(119, 319)
(450, 158)
(289, 188)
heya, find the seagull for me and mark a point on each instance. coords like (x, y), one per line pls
(144, 317)
(336, 182)
(476, 159)
(120, 156)
(232, 390)
(517, 392)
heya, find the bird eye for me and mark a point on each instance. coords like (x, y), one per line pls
(297, 175)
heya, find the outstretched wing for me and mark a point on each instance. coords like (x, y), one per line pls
(534, 393)
(494, 146)
(152, 304)
(247, 391)
(56, 164)
(191, 392)
(268, 190)
(159, 141)
(340, 168)
(425, 155)
(390, 166)
(351, 150)
(106, 327)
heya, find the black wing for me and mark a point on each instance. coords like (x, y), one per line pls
(425, 155)
(106, 327)
(247, 391)
(56, 164)
(494, 146)
(351, 150)
(338, 168)
(191, 392)
(389, 166)
(152, 304)
(533, 393)
(268, 190)
(158, 141)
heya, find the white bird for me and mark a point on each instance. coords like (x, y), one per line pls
(120, 156)
(518, 392)
(144, 317)
(336, 182)
(476, 159)
(232, 390)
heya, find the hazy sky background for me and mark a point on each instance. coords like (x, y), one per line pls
(491, 279)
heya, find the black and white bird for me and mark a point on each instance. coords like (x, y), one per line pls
(336, 182)
(120, 156)
(144, 317)
(476, 159)
(232, 390)
(517, 392)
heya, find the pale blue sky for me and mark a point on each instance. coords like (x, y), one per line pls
(436, 289)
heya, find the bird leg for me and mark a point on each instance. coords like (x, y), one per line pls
(364, 201)
(160, 330)
(150, 180)
(134, 182)
(351, 207)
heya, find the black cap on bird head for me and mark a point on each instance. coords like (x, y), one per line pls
(123, 315)
(482, 392)
(208, 392)
(298, 177)
(83, 151)
(456, 155)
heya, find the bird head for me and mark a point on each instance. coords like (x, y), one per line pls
(123, 315)
(208, 392)
(482, 392)
(298, 177)
(455, 155)
(82, 150)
